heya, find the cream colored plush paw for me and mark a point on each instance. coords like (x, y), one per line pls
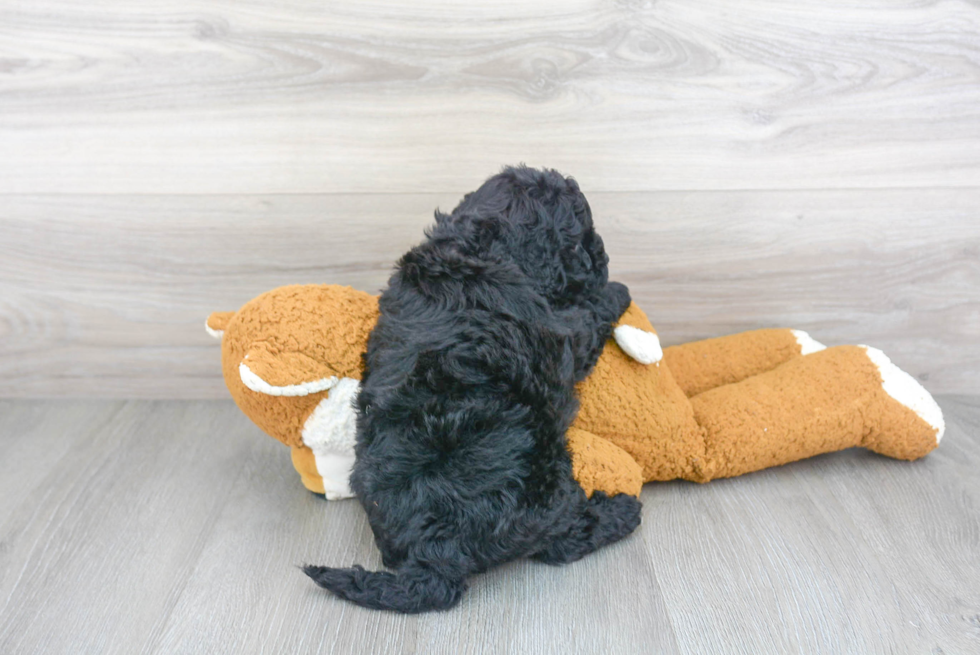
(807, 343)
(905, 389)
(639, 344)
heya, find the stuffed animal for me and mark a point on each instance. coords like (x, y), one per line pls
(292, 360)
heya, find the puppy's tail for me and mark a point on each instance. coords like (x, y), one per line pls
(412, 590)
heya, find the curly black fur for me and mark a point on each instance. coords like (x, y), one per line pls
(469, 389)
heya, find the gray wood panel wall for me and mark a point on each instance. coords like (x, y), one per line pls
(815, 165)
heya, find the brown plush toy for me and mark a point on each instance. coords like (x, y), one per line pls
(710, 409)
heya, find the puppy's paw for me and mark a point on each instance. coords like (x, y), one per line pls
(616, 300)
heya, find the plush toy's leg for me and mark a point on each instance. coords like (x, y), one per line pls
(830, 400)
(702, 365)
(305, 464)
(600, 465)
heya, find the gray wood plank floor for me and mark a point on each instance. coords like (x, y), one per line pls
(175, 527)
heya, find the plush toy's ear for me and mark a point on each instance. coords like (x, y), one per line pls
(215, 325)
(278, 373)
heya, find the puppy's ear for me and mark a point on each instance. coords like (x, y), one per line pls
(431, 266)
(585, 261)
(486, 231)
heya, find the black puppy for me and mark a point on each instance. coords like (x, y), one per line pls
(469, 389)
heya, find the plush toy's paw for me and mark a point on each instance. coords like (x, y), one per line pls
(639, 344)
(906, 390)
(807, 343)
(335, 470)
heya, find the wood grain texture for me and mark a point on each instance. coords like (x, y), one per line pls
(814, 165)
(107, 295)
(121, 515)
(175, 527)
(393, 96)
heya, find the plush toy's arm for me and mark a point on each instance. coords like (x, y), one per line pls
(702, 365)
(284, 373)
(600, 465)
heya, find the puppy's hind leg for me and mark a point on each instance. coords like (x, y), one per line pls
(604, 520)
